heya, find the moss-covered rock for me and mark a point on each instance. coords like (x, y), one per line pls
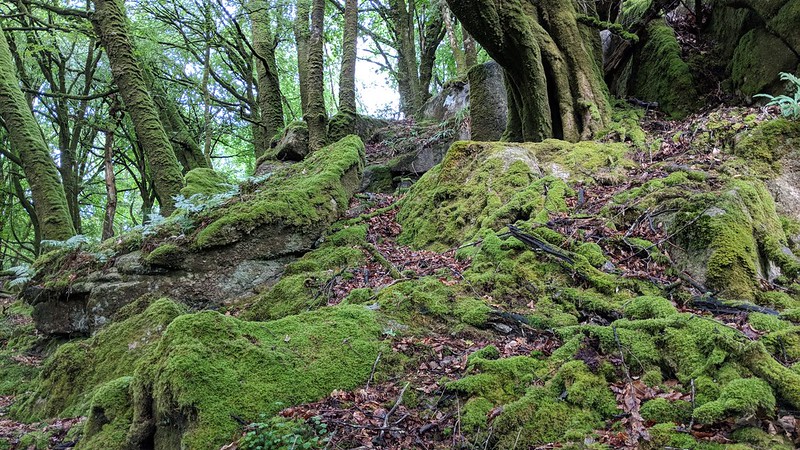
(314, 191)
(210, 368)
(71, 376)
(740, 398)
(486, 186)
(662, 75)
(758, 59)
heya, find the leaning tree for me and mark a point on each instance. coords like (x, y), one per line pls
(551, 61)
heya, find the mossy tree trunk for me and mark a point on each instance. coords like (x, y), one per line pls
(269, 87)
(112, 28)
(50, 201)
(301, 38)
(344, 123)
(413, 77)
(185, 146)
(555, 87)
(316, 116)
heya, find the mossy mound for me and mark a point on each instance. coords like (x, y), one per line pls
(308, 192)
(159, 376)
(204, 181)
(486, 186)
(209, 367)
(69, 377)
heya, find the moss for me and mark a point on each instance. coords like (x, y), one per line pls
(472, 311)
(205, 182)
(70, 376)
(315, 190)
(585, 389)
(482, 187)
(661, 410)
(760, 439)
(593, 254)
(740, 398)
(733, 227)
(783, 341)
(759, 57)
(766, 144)
(776, 300)
(649, 308)
(663, 76)
(476, 412)
(110, 415)
(261, 368)
(165, 255)
(539, 418)
(767, 322)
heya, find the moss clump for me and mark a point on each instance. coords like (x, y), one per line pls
(472, 311)
(734, 228)
(663, 76)
(165, 255)
(70, 376)
(313, 191)
(649, 308)
(260, 368)
(17, 336)
(206, 182)
(110, 415)
(482, 187)
(593, 254)
(585, 389)
(661, 410)
(766, 144)
(740, 398)
(476, 412)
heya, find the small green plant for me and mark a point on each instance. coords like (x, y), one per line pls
(789, 104)
(279, 433)
(21, 275)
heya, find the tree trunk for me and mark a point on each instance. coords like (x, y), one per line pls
(344, 122)
(347, 76)
(301, 38)
(555, 87)
(269, 88)
(459, 56)
(470, 49)
(28, 142)
(111, 185)
(316, 116)
(111, 26)
(181, 138)
(402, 15)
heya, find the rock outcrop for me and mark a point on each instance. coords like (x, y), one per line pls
(203, 259)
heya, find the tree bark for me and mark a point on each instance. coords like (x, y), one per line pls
(28, 142)
(301, 38)
(110, 23)
(316, 116)
(269, 88)
(111, 185)
(554, 84)
(347, 76)
(470, 49)
(459, 56)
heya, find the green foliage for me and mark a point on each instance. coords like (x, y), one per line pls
(278, 433)
(789, 104)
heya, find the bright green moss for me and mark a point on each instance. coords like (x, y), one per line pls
(784, 342)
(661, 410)
(110, 415)
(70, 376)
(649, 308)
(585, 389)
(260, 368)
(767, 143)
(662, 75)
(472, 311)
(165, 255)
(475, 413)
(593, 253)
(204, 182)
(759, 439)
(497, 380)
(767, 322)
(481, 187)
(740, 398)
(314, 190)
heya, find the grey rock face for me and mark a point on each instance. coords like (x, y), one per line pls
(488, 102)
